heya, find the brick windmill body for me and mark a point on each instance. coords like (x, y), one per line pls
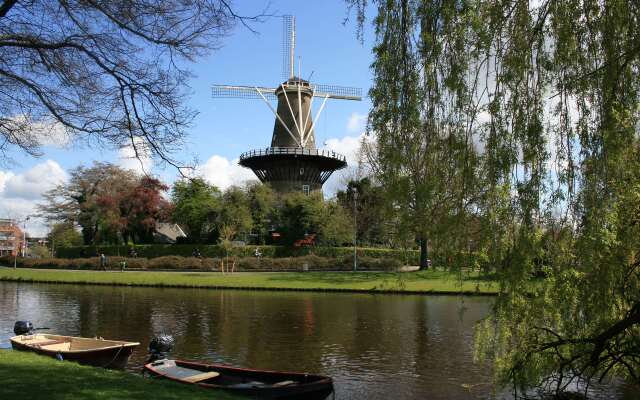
(292, 162)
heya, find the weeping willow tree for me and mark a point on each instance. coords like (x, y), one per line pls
(546, 94)
(424, 156)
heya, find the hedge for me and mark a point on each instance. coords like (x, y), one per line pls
(303, 263)
(409, 257)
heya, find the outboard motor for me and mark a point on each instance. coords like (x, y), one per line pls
(23, 328)
(159, 346)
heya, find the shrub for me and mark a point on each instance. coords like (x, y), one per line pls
(215, 251)
(312, 262)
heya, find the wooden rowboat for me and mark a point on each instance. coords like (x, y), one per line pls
(112, 354)
(247, 382)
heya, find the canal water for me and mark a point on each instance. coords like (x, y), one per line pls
(374, 346)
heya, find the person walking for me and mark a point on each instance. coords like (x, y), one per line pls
(103, 262)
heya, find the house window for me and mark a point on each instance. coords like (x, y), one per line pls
(305, 189)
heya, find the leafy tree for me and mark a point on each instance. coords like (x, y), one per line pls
(372, 218)
(39, 251)
(262, 202)
(235, 215)
(141, 209)
(110, 72)
(89, 199)
(196, 206)
(557, 85)
(110, 204)
(336, 227)
(64, 234)
(299, 214)
(424, 157)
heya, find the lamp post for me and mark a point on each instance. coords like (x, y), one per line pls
(24, 242)
(24, 237)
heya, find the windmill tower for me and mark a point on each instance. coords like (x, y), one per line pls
(292, 162)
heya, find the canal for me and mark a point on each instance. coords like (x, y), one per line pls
(374, 346)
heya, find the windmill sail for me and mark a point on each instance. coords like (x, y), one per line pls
(253, 92)
(288, 45)
(242, 92)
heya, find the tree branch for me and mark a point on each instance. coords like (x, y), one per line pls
(6, 6)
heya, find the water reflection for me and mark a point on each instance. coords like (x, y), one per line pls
(375, 346)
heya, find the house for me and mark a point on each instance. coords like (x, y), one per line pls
(10, 237)
(167, 233)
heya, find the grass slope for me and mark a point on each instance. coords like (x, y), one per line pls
(30, 376)
(414, 282)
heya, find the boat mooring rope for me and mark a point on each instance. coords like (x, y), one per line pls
(114, 357)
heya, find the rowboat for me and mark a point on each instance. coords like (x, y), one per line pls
(247, 382)
(97, 352)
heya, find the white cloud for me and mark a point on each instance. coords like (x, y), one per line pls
(32, 183)
(350, 147)
(357, 123)
(127, 158)
(221, 172)
(51, 133)
(4, 177)
(20, 193)
(45, 132)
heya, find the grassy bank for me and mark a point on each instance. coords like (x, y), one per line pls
(413, 282)
(29, 376)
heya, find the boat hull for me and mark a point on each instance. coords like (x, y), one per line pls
(239, 380)
(111, 354)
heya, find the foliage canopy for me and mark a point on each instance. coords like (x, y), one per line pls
(529, 114)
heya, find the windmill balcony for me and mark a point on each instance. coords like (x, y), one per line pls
(269, 151)
(293, 168)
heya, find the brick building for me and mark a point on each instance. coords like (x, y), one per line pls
(10, 237)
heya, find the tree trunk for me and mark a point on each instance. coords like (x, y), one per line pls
(424, 254)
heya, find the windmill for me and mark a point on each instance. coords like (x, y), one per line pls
(292, 162)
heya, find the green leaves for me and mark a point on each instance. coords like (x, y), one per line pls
(513, 128)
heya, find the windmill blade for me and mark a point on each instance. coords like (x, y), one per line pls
(337, 92)
(288, 45)
(242, 92)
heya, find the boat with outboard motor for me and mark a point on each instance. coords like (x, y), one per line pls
(261, 384)
(98, 352)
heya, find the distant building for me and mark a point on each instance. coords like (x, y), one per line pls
(10, 237)
(167, 233)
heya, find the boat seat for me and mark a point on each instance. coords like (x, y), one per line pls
(283, 383)
(48, 343)
(64, 346)
(201, 377)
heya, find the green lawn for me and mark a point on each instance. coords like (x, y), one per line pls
(28, 376)
(408, 282)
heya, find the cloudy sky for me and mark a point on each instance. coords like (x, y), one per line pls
(224, 128)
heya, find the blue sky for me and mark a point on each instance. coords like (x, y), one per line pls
(224, 128)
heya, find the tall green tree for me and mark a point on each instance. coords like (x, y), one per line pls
(64, 234)
(555, 183)
(299, 214)
(336, 228)
(262, 202)
(196, 206)
(424, 157)
(235, 215)
(366, 200)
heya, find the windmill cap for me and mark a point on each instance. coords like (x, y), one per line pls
(296, 80)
